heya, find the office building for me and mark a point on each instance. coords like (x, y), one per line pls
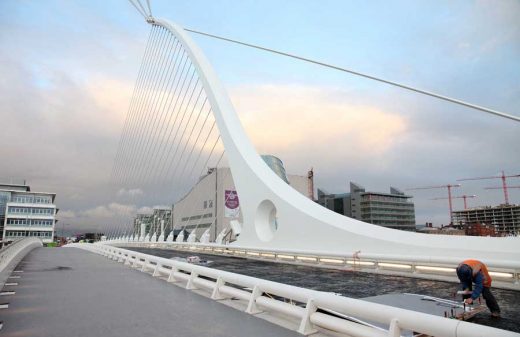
(393, 210)
(24, 213)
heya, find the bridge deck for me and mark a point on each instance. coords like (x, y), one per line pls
(71, 292)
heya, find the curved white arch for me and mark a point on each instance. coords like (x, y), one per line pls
(301, 224)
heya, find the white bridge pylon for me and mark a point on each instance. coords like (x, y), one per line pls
(275, 216)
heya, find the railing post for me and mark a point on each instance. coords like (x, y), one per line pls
(171, 277)
(156, 270)
(215, 295)
(251, 306)
(190, 284)
(394, 330)
(306, 326)
(145, 264)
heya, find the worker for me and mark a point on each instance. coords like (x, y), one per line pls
(475, 272)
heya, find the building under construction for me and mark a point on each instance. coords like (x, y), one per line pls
(504, 218)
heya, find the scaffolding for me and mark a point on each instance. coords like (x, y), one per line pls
(504, 218)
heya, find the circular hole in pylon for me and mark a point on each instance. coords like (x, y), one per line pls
(265, 220)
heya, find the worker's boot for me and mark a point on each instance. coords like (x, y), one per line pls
(495, 314)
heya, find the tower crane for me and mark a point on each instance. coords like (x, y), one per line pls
(459, 197)
(504, 183)
(449, 187)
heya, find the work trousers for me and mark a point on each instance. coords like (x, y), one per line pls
(491, 302)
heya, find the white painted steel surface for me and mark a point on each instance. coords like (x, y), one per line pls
(12, 254)
(505, 273)
(277, 217)
(223, 284)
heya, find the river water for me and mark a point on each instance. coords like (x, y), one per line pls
(353, 284)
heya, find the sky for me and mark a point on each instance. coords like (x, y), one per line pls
(68, 69)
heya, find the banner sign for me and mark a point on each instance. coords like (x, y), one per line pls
(231, 204)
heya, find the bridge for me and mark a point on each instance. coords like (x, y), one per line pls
(180, 114)
(181, 121)
(75, 291)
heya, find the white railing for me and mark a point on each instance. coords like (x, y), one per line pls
(314, 306)
(506, 274)
(12, 254)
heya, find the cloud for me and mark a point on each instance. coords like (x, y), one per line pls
(293, 117)
(130, 192)
(66, 215)
(65, 94)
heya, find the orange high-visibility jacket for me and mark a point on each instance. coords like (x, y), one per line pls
(477, 266)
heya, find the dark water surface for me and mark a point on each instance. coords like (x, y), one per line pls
(353, 284)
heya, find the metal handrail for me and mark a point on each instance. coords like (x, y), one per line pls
(223, 284)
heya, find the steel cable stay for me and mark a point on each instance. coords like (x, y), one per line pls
(155, 83)
(161, 110)
(139, 8)
(196, 139)
(152, 113)
(186, 73)
(181, 139)
(143, 100)
(138, 93)
(185, 110)
(204, 166)
(360, 74)
(174, 184)
(158, 122)
(151, 84)
(202, 169)
(130, 114)
(165, 149)
(133, 131)
(166, 124)
(152, 182)
(184, 181)
(132, 100)
(177, 94)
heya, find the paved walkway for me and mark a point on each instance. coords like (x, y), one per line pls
(71, 292)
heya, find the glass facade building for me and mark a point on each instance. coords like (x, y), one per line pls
(393, 210)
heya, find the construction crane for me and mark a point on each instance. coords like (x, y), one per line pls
(449, 187)
(500, 188)
(504, 183)
(459, 197)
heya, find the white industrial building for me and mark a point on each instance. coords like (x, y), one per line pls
(213, 202)
(26, 214)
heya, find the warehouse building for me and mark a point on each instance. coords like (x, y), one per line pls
(211, 205)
